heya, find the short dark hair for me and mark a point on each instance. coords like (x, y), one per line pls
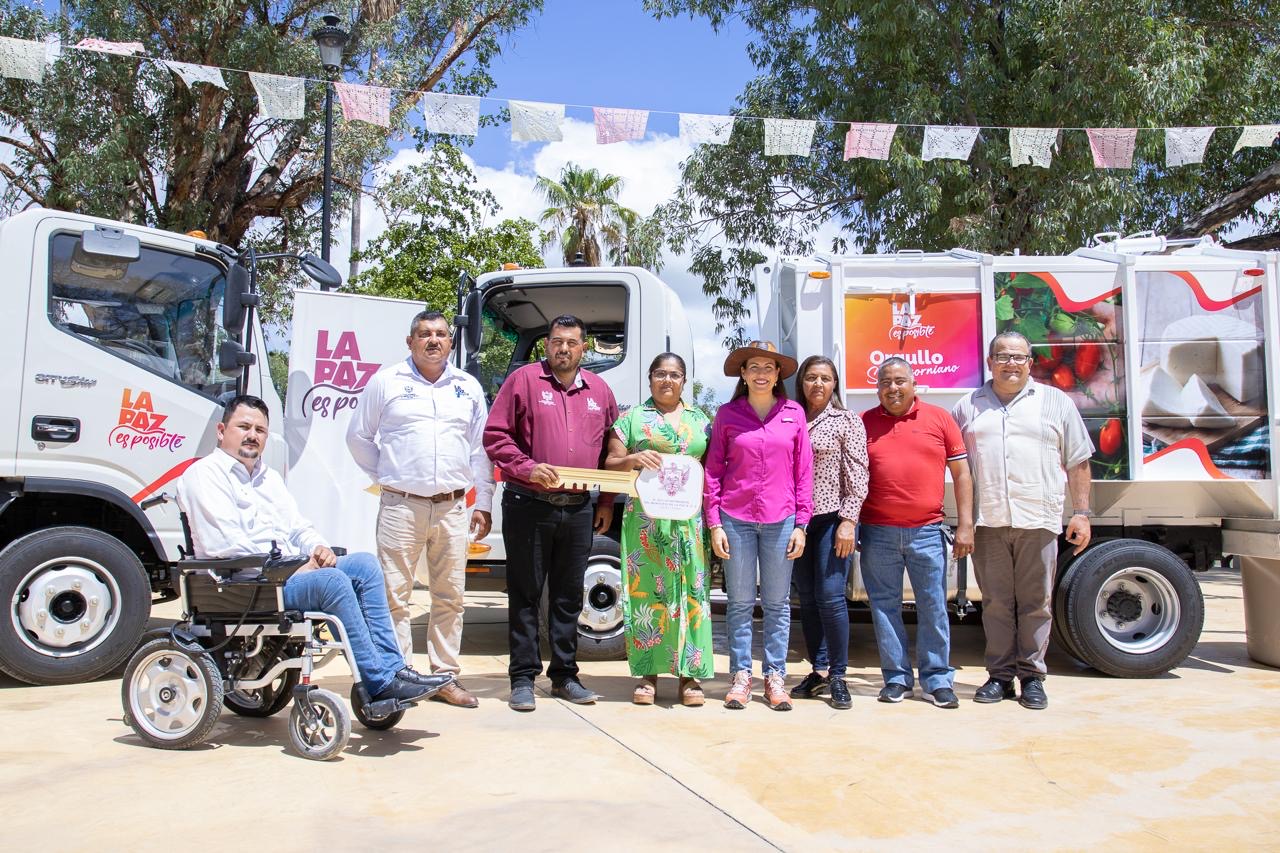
(568, 321)
(826, 362)
(249, 400)
(426, 317)
(1009, 335)
(665, 356)
(890, 362)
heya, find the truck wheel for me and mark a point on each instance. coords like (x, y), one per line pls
(600, 635)
(78, 601)
(1058, 634)
(1133, 609)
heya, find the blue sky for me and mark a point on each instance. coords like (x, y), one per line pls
(611, 53)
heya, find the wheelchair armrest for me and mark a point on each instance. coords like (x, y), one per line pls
(280, 569)
(223, 565)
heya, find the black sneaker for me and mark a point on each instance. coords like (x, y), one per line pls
(1033, 695)
(435, 681)
(812, 687)
(840, 697)
(522, 698)
(894, 692)
(403, 690)
(944, 697)
(993, 691)
(573, 691)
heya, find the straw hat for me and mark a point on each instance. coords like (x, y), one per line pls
(758, 349)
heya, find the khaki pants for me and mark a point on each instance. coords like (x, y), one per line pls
(1015, 570)
(406, 528)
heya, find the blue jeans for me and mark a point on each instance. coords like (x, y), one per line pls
(762, 546)
(355, 592)
(885, 551)
(824, 612)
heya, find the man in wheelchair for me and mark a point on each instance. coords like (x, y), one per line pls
(236, 506)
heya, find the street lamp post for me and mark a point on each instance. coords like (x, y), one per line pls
(330, 39)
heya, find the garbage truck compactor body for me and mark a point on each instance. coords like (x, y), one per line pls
(1168, 348)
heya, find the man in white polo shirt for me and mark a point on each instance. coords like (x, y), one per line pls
(1028, 447)
(417, 433)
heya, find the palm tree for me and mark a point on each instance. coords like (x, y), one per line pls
(583, 213)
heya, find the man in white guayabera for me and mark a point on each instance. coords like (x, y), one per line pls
(1028, 448)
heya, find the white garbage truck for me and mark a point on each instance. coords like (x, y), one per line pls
(1169, 349)
(123, 343)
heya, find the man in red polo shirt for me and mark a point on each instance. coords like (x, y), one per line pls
(547, 414)
(910, 445)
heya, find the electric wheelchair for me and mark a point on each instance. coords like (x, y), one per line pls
(238, 646)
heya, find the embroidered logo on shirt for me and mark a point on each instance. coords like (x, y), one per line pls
(592, 405)
(547, 399)
(458, 392)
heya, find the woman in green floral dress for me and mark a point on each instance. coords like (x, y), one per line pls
(665, 602)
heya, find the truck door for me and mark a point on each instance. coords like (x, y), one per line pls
(122, 388)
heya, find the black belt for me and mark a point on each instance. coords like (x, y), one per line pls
(435, 499)
(553, 498)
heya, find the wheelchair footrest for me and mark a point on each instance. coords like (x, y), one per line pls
(385, 708)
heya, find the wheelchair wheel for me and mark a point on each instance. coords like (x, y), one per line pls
(378, 725)
(172, 694)
(264, 701)
(324, 737)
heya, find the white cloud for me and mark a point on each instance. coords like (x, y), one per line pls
(650, 169)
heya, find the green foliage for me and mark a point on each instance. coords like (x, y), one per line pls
(704, 397)
(125, 139)
(1035, 63)
(278, 363)
(437, 234)
(584, 215)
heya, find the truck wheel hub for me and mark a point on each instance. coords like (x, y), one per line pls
(1137, 610)
(602, 610)
(1124, 606)
(64, 608)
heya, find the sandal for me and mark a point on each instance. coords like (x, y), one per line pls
(645, 691)
(691, 694)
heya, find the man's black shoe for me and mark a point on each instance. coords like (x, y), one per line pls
(811, 687)
(840, 697)
(403, 690)
(573, 691)
(993, 691)
(436, 682)
(894, 692)
(522, 697)
(944, 697)
(1033, 695)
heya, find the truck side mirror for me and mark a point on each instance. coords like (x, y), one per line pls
(238, 298)
(473, 330)
(233, 358)
(321, 272)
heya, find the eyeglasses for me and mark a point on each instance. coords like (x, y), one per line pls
(1012, 358)
(660, 375)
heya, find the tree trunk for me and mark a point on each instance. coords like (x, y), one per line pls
(357, 198)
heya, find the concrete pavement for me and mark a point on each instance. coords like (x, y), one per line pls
(1189, 760)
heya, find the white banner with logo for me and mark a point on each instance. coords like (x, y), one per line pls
(339, 341)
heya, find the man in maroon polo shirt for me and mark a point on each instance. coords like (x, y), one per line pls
(547, 414)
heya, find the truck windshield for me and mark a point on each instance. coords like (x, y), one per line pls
(161, 311)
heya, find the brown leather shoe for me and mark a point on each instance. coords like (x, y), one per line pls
(775, 692)
(455, 694)
(739, 692)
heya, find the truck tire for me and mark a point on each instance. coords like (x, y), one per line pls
(600, 630)
(77, 603)
(1058, 634)
(1133, 609)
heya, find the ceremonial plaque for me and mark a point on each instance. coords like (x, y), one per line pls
(674, 491)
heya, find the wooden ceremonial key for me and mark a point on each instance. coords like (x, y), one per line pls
(586, 479)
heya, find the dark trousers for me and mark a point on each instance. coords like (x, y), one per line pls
(820, 577)
(546, 546)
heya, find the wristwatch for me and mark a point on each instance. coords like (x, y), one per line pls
(803, 528)
(1087, 513)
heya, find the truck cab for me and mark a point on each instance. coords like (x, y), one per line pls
(630, 316)
(123, 344)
